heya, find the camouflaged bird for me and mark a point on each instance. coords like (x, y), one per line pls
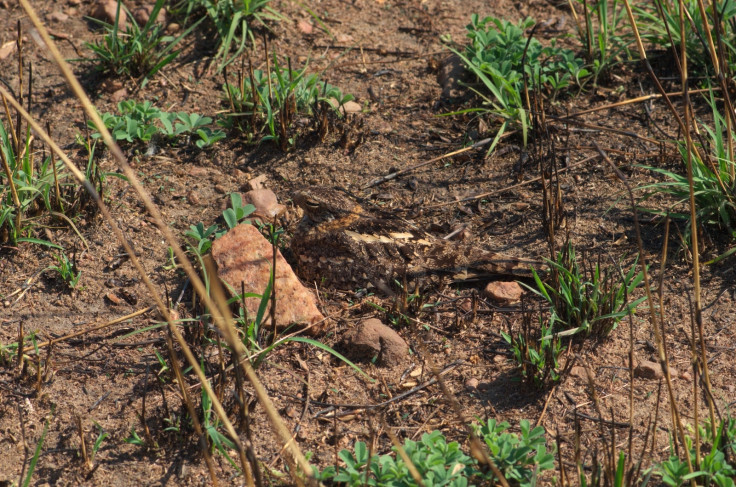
(342, 244)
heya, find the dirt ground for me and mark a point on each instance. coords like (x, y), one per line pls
(385, 53)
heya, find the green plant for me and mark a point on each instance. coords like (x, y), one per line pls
(142, 121)
(211, 424)
(28, 188)
(67, 270)
(134, 438)
(102, 436)
(602, 35)
(439, 464)
(36, 454)
(231, 20)
(714, 181)
(499, 55)
(587, 299)
(139, 51)
(714, 466)
(536, 352)
(269, 102)
(520, 458)
(237, 212)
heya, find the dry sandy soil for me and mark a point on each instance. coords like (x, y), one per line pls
(387, 54)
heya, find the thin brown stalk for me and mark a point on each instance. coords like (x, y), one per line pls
(20, 343)
(8, 171)
(122, 319)
(83, 443)
(19, 43)
(192, 411)
(11, 127)
(653, 318)
(693, 218)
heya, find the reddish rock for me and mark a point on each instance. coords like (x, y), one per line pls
(198, 172)
(258, 182)
(504, 292)
(579, 372)
(305, 26)
(58, 16)
(243, 255)
(142, 14)
(105, 10)
(119, 95)
(349, 107)
(648, 370)
(266, 203)
(7, 49)
(471, 383)
(371, 339)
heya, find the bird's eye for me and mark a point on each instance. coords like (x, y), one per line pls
(311, 204)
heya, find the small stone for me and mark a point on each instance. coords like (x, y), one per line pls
(371, 338)
(648, 370)
(58, 16)
(198, 172)
(258, 182)
(266, 203)
(305, 26)
(579, 372)
(471, 383)
(344, 38)
(244, 256)
(351, 107)
(291, 412)
(7, 49)
(142, 14)
(119, 95)
(112, 85)
(686, 376)
(112, 297)
(106, 10)
(499, 359)
(173, 28)
(503, 292)
(193, 198)
(220, 188)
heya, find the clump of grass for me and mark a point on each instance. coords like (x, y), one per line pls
(499, 55)
(265, 104)
(602, 34)
(586, 298)
(714, 181)
(536, 351)
(67, 270)
(232, 22)
(28, 190)
(137, 52)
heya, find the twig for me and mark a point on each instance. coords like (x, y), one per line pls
(514, 186)
(393, 175)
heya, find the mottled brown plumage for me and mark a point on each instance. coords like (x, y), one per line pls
(341, 244)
